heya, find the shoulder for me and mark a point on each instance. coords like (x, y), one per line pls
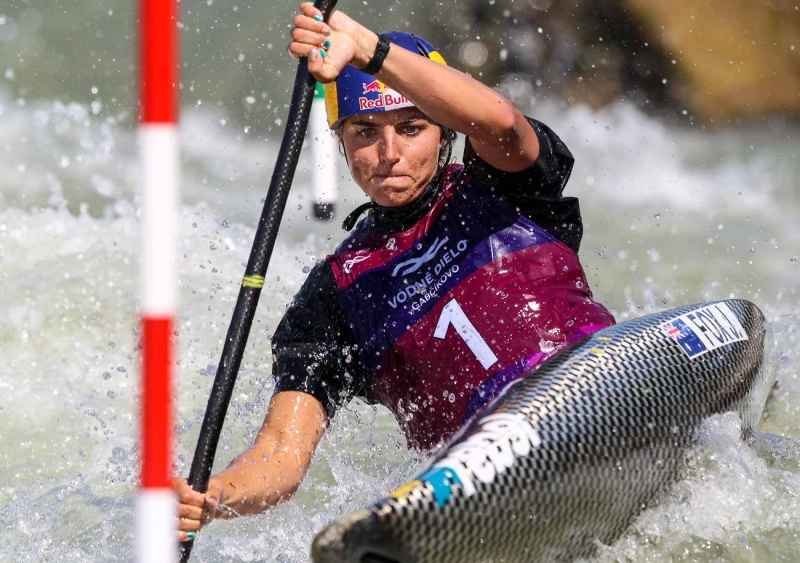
(317, 288)
(314, 315)
(545, 178)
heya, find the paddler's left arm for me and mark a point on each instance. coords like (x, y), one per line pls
(500, 134)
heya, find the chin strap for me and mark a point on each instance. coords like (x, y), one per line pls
(350, 221)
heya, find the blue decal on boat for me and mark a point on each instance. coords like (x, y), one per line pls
(705, 329)
(441, 479)
(686, 338)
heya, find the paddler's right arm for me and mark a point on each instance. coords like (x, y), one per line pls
(266, 474)
(309, 350)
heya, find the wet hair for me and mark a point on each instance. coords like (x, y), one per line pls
(448, 140)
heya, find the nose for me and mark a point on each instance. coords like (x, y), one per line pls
(389, 145)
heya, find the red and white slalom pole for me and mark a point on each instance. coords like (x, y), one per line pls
(156, 507)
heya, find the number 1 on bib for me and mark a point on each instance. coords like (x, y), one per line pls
(452, 313)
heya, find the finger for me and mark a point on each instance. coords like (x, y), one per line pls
(187, 495)
(191, 497)
(186, 525)
(322, 71)
(190, 512)
(214, 494)
(315, 61)
(309, 9)
(186, 536)
(307, 37)
(302, 50)
(310, 24)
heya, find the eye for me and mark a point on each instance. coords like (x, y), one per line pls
(365, 133)
(412, 129)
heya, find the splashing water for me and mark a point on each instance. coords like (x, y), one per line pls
(670, 217)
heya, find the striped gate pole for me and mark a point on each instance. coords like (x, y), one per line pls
(323, 157)
(156, 506)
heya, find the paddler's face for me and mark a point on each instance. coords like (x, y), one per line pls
(393, 155)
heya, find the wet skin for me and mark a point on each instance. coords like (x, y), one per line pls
(392, 155)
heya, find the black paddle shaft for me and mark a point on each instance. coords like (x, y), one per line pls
(243, 313)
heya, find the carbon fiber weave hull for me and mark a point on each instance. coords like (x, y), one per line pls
(568, 456)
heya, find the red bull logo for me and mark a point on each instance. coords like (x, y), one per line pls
(386, 97)
(388, 100)
(375, 86)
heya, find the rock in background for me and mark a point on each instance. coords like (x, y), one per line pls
(736, 58)
(716, 60)
(719, 60)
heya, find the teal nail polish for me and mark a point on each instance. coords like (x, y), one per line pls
(190, 535)
(318, 18)
(323, 53)
(326, 44)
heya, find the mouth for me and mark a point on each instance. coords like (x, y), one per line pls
(381, 177)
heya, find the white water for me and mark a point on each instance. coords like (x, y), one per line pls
(672, 216)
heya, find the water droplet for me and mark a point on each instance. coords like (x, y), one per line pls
(306, 269)
(657, 215)
(112, 395)
(106, 375)
(794, 259)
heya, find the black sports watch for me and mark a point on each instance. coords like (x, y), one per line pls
(381, 50)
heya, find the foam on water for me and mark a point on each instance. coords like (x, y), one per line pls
(739, 500)
(654, 198)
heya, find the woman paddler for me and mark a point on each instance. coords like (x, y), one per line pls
(457, 280)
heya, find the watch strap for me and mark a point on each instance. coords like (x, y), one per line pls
(381, 50)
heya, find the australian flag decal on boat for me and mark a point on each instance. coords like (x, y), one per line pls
(705, 329)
